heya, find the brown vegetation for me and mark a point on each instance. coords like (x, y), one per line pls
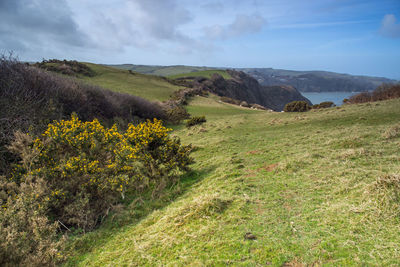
(383, 92)
(297, 106)
(326, 104)
(66, 67)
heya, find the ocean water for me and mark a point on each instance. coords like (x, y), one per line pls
(335, 97)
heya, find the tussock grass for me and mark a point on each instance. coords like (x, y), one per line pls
(392, 132)
(314, 191)
(386, 190)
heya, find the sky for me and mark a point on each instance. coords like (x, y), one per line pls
(346, 36)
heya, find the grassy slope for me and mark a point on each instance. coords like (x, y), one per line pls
(205, 73)
(146, 86)
(301, 183)
(161, 70)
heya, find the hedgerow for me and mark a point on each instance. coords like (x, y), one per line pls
(84, 169)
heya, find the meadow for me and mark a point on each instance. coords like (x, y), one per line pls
(204, 73)
(280, 189)
(147, 86)
(320, 187)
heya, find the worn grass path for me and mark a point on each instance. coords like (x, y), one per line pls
(303, 185)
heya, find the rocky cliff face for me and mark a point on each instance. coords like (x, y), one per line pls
(246, 88)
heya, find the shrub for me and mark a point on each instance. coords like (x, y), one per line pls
(195, 121)
(28, 238)
(383, 92)
(67, 67)
(297, 106)
(177, 113)
(326, 104)
(72, 175)
(88, 168)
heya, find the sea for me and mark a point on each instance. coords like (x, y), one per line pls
(335, 97)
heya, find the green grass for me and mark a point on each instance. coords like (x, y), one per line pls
(205, 73)
(161, 70)
(302, 183)
(146, 86)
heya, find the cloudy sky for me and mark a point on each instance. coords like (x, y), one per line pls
(347, 36)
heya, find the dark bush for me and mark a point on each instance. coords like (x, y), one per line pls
(195, 121)
(383, 92)
(177, 113)
(326, 104)
(297, 106)
(67, 67)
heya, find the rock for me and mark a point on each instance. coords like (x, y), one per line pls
(244, 104)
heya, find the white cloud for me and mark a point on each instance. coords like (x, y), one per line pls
(243, 24)
(390, 27)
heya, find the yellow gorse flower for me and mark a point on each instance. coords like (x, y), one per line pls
(106, 158)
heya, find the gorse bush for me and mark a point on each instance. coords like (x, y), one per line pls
(28, 238)
(175, 112)
(74, 174)
(195, 121)
(297, 106)
(326, 104)
(88, 167)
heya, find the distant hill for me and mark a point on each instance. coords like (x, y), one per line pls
(304, 81)
(316, 81)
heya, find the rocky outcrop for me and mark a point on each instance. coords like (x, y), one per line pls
(245, 88)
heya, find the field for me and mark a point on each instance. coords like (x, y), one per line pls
(146, 86)
(279, 189)
(205, 73)
(162, 70)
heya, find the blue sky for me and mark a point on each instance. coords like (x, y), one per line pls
(347, 36)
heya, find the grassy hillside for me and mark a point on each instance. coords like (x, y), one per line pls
(205, 73)
(161, 70)
(280, 189)
(146, 86)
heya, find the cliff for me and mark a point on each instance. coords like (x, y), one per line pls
(245, 88)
